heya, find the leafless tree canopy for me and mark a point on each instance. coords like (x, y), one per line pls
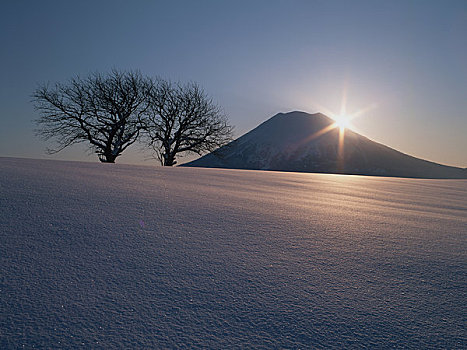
(102, 110)
(182, 118)
(109, 112)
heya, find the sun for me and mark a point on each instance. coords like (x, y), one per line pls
(342, 121)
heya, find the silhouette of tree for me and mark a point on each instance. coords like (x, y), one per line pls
(183, 118)
(101, 110)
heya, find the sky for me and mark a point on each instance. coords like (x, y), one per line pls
(403, 62)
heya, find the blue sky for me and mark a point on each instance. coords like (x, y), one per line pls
(406, 59)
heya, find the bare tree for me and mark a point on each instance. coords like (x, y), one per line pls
(183, 118)
(102, 110)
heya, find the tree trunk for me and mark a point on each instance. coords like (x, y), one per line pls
(168, 160)
(107, 157)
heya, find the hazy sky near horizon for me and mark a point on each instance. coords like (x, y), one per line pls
(406, 59)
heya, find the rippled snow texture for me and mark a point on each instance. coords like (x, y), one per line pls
(104, 256)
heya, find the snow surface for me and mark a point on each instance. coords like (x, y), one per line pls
(109, 255)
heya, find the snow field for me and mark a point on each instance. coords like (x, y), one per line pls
(100, 255)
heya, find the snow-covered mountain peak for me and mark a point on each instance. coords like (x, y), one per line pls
(303, 142)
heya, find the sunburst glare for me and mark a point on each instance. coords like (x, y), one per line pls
(342, 121)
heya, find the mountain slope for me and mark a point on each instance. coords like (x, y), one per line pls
(295, 141)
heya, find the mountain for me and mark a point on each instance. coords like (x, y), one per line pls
(302, 142)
